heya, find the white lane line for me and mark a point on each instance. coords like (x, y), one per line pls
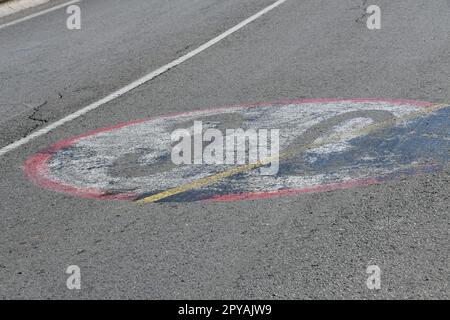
(136, 83)
(12, 6)
(37, 14)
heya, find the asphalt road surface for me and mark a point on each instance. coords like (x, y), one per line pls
(302, 246)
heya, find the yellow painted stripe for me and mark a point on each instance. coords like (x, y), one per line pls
(248, 167)
(201, 182)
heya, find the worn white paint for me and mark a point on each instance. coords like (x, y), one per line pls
(14, 6)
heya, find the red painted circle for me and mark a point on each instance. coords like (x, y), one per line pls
(36, 167)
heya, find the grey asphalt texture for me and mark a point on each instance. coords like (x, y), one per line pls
(310, 246)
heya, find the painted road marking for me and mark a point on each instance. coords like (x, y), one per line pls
(138, 82)
(325, 145)
(14, 6)
(37, 14)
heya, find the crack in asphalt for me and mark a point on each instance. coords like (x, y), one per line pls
(33, 117)
(364, 14)
(35, 111)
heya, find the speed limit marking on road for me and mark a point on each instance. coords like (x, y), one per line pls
(332, 144)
